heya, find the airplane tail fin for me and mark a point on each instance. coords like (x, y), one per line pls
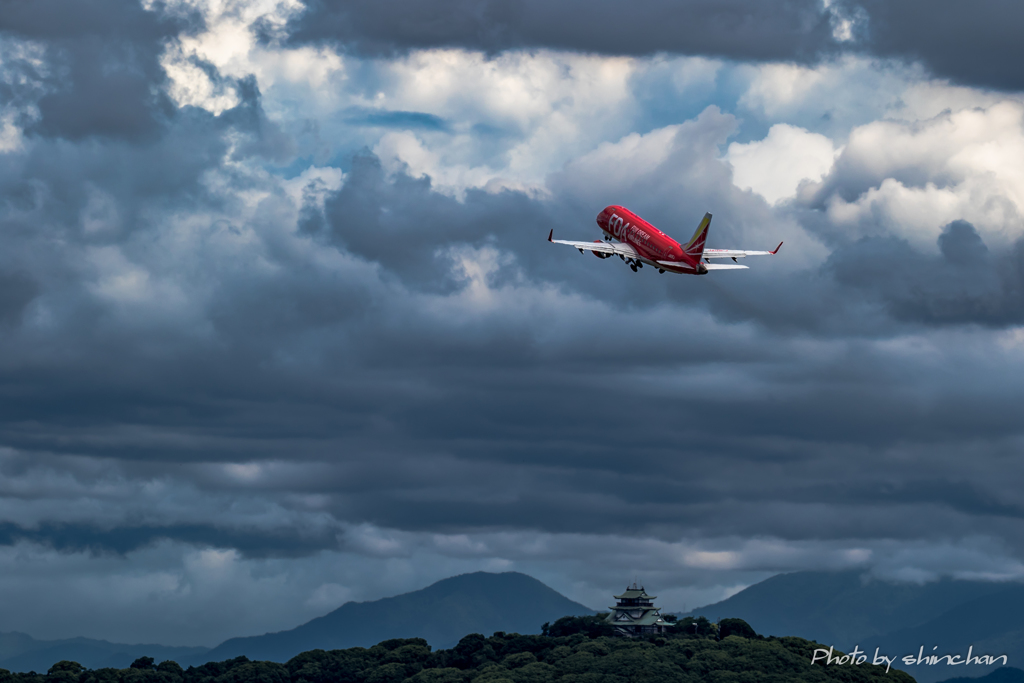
(695, 247)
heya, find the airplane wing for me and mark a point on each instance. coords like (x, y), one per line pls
(737, 253)
(600, 247)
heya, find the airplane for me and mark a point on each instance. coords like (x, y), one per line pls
(639, 242)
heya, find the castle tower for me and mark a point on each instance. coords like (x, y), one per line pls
(635, 614)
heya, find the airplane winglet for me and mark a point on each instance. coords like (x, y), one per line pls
(773, 253)
(550, 234)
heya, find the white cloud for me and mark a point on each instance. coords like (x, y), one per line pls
(405, 152)
(22, 69)
(517, 88)
(229, 43)
(845, 24)
(544, 108)
(314, 184)
(775, 166)
(926, 99)
(921, 176)
(834, 96)
(191, 86)
(11, 139)
(779, 88)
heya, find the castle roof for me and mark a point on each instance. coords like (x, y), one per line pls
(634, 593)
(648, 619)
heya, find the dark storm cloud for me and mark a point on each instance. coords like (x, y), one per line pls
(428, 426)
(103, 72)
(491, 380)
(431, 415)
(16, 291)
(738, 29)
(973, 44)
(964, 284)
(405, 225)
(127, 538)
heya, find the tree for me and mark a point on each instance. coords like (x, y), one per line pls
(592, 627)
(170, 667)
(256, 672)
(699, 627)
(64, 672)
(735, 627)
(446, 675)
(472, 651)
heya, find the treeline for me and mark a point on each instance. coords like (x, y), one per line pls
(571, 650)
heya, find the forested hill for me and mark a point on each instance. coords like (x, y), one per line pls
(441, 613)
(573, 650)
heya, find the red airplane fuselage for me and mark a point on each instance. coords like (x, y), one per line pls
(654, 246)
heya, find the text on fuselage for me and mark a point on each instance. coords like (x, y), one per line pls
(624, 231)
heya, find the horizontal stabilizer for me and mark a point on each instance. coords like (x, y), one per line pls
(682, 265)
(725, 266)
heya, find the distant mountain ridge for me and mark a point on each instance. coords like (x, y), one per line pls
(1006, 674)
(441, 613)
(843, 609)
(22, 652)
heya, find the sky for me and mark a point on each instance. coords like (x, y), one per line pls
(280, 329)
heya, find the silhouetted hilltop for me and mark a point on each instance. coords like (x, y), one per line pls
(580, 655)
(441, 614)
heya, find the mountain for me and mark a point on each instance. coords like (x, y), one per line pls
(441, 613)
(1005, 674)
(992, 624)
(21, 652)
(844, 609)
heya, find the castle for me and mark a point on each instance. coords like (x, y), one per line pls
(635, 614)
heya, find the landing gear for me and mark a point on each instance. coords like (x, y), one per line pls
(632, 267)
(661, 271)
